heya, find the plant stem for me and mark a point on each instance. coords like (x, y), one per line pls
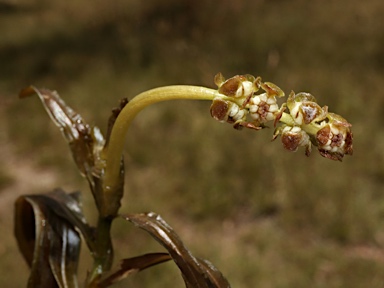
(103, 254)
(115, 147)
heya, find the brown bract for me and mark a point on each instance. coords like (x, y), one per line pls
(271, 89)
(219, 109)
(323, 135)
(230, 87)
(348, 143)
(331, 155)
(311, 111)
(291, 141)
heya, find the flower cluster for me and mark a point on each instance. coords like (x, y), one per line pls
(305, 124)
(241, 100)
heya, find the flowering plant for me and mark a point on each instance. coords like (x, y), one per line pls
(48, 226)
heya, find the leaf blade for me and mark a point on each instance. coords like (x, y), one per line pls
(51, 246)
(86, 144)
(135, 264)
(195, 272)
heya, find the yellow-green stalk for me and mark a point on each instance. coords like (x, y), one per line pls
(115, 147)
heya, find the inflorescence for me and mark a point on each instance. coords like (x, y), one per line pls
(304, 122)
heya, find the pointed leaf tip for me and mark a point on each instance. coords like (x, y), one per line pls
(27, 92)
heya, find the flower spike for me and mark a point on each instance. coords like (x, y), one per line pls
(305, 123)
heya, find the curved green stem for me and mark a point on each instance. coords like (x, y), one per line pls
(123, 121)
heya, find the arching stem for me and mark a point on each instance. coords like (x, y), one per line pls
(115, 147)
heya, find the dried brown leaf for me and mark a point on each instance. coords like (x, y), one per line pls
(195, 272)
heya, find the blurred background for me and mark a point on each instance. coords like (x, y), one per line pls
(265, 217)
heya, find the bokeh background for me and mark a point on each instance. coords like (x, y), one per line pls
(265, 217)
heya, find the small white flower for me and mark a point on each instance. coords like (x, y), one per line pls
(263, 108)
(235, 112)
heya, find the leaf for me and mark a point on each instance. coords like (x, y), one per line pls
(86, 144)
(196, 272)
(133, 265)
(46, 232)
(83, 139)
(213, 273)
(69, 207)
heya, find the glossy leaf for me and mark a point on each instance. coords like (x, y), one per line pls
(86, 144)
(83, 139)
(46, 230)
(134, 265)
(215, 276)
(195, 272)
(68, 206)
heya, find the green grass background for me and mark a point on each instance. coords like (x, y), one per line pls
(263, 216)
